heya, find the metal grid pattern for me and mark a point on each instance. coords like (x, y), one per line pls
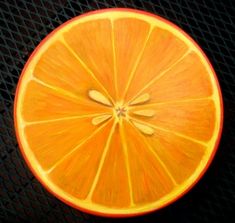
(25, 23)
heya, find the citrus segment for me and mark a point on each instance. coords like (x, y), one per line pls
(161, 52)
(130, 38)
(118, 112)
(176, 117)
(59, 138)
(54, 103)
(93, 51)
(149, 179)
(57, 66)
(186, 79)
(113, 179)
(180, 155)
(72, 173)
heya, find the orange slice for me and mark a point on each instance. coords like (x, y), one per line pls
(118, 112)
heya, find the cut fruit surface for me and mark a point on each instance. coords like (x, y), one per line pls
(118, 112)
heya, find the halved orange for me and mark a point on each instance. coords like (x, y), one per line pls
(118, 112)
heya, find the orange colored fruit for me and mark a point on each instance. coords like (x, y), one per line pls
(118, 112)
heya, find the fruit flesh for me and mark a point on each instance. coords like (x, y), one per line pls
(62, 91)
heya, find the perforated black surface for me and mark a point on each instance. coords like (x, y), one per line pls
(25, 23)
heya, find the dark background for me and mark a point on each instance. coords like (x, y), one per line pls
(25, 23)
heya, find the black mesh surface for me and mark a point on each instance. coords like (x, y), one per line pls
(25, 23)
